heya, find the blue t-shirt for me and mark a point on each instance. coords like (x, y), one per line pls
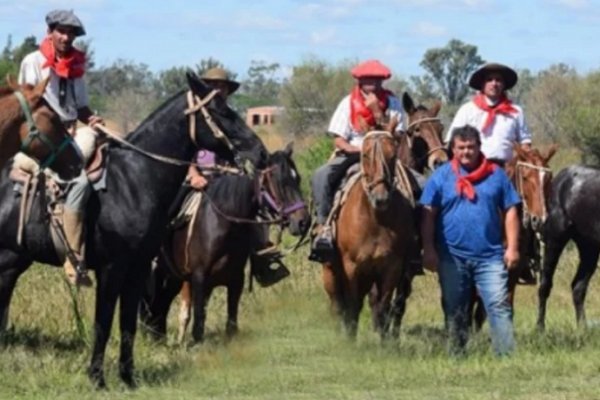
(465, 228)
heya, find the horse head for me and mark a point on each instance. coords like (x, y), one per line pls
(377, 165)
(41, 134)
(532, 177)
(422, 146)
(281, 181)
(231, 138)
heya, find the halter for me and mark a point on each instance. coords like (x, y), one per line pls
(388, 175)
(34, 133)
(272, 197)
(541, 173)
(409, 135)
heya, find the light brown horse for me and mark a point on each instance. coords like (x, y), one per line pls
(27, 124)
(532, 177)
(375, 229)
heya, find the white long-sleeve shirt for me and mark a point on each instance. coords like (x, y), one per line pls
(506, 130)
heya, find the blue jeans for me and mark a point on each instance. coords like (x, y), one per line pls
(458, 277)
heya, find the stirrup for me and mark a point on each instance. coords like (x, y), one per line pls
(262, 271)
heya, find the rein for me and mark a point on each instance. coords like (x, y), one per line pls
(34, 133)
(378, 158)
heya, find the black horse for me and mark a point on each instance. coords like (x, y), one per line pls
(573, 214)
(222, 237)
(126, 222)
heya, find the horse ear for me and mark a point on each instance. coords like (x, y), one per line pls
(10, 83)
(550, 152)
(196, 84)
(391, 125)
(408, 103)
(38, 91)
(435, 109)
(521, 153)
(289, 149)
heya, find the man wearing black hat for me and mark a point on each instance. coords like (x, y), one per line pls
(66, 93)
(500, 122)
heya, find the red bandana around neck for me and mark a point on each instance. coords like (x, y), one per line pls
(504, 106)
(464, 183)
(359, 109)
(72, 66)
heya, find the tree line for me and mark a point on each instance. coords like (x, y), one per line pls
(561, 104)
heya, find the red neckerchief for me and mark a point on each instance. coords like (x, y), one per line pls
(504, 106)
(359, 109)
(464, 184)
(72, 66)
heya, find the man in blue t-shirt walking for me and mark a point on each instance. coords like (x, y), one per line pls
(464, 204)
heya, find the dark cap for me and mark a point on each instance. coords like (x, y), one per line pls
(65, 18)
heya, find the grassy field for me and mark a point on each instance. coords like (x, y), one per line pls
(289, 347)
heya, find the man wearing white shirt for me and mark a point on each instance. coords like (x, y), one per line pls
(67, 95)
(500, 122)
(364, 108)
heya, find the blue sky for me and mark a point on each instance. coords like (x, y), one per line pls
(523, 34)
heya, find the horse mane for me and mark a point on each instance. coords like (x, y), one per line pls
(167, 103)
(6, 90)
(234, 195)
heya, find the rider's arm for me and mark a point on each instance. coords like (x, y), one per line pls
(195, 178)
(343, 145)
(85, 115)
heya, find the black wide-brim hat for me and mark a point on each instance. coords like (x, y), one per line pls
(508, 75)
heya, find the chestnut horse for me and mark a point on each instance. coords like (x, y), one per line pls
(375, 232)
(221, 239)
(531, 176)
(27, 124)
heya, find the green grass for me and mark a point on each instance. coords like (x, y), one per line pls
(290, 347)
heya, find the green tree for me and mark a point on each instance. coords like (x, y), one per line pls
(312, 93)
(261, 88)
(448, 69)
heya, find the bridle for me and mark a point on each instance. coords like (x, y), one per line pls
(542, 171)
(271, 196)
(34, 134)
(376, 156)
(410, 133)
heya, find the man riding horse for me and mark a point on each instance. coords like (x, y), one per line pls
(500, 122)
(263, 254)
(67, 95)
(359, 112)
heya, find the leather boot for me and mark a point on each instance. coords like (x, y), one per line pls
(73, 228)
(322, 249)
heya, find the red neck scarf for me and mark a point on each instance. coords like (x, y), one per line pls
(504, 106)
(359, 109)
(464, 184)
(71, 66)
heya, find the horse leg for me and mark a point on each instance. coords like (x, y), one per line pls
(384, 307)
(200, 295)
(234, 293)
(552, 252)
(185, 310)
(333, 289)
(109, 283)
(373, 302)
(12, 265)
(129, 302)
(352, 299)
(156, 304)
(403, 291)
(588, 261)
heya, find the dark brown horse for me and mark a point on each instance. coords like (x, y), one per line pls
(532, 177)
(27, 124)
(220, 241)
(573, 214)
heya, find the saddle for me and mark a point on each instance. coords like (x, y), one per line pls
(404, 183)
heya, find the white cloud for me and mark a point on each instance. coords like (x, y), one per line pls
(315, 10)
(429, 29)
(574, 4)
(325, 36)
(256, 21)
